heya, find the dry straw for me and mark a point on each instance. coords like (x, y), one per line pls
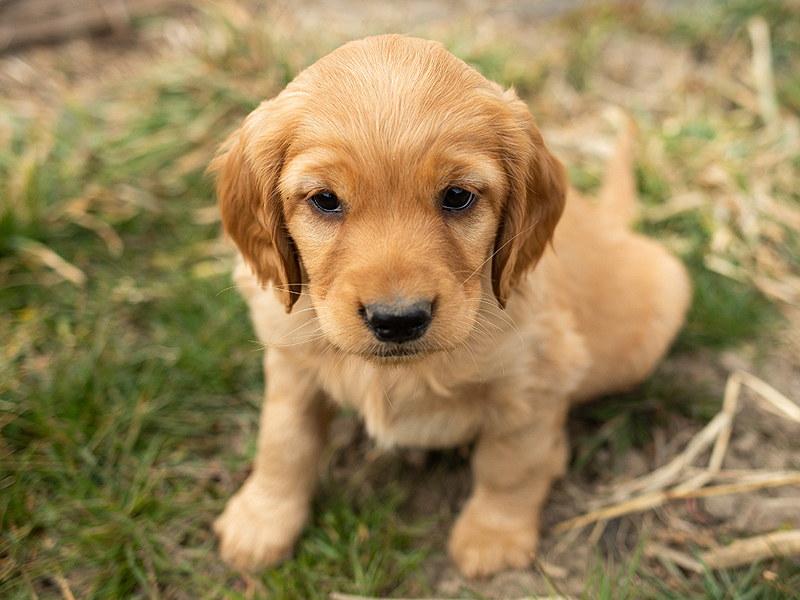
(679, 480)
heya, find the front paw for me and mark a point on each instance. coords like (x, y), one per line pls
(258, 529)
(481, 545)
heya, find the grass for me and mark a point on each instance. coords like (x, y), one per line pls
(755, 582)
(129, 379)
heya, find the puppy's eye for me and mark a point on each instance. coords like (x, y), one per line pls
(456, 198)
(326, 202)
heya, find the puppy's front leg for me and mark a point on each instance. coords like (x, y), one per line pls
(513, 472)
(262, 522)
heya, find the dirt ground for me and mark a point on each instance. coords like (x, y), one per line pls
(441, 482)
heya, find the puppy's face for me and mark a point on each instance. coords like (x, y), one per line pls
(392, 230)
(385, 182)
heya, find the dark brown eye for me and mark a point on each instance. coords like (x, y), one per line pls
(456, 198)
(326, 202)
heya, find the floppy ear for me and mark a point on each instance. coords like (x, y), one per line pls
(248, 167)
(537, 194)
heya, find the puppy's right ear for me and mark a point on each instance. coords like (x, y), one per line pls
(248, 166)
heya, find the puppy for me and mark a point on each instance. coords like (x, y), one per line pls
(393, 211)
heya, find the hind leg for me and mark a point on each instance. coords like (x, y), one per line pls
(634, 317)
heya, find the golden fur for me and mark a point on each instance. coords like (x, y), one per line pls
(371, 287)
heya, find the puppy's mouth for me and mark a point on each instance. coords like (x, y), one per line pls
(397, 354)
(400, 351)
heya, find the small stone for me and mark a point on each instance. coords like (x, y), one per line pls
(722, 508)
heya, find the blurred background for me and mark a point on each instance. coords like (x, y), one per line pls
(130, 380)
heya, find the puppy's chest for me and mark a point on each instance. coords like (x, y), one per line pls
(412, 407)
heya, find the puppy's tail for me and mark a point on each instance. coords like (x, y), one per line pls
(617, 196)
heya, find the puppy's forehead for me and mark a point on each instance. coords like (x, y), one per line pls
(394, 110)
(391, 93)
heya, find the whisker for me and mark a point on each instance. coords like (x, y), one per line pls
(473, 356)
(225, 289)
(482, 330)
(493, 254)
(296, 329)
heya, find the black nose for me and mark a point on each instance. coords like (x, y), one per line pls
(398, 322)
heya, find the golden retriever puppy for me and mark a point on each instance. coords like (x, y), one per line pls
(393, 211)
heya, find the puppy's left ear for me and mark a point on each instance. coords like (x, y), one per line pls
(537, 194)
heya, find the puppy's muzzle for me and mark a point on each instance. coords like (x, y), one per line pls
(398, 322)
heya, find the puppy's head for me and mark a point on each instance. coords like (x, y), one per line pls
(390, 181)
